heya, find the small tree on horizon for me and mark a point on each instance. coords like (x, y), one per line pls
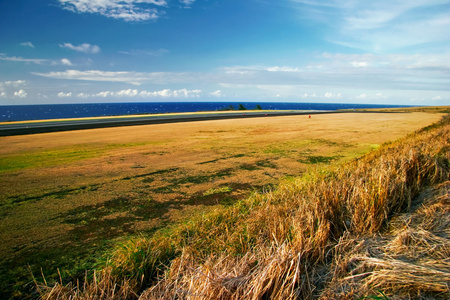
(258, 107)
(242, 107)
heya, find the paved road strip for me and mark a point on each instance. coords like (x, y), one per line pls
(22, 128)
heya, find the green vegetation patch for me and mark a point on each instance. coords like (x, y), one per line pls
(266, 164)
(319, 159)
(198, 179)
(48, 158)
(59, 194)
(214, 191)
(56, 157)
(59, 156)
(222, 158)
(249, 167)
(288, 149)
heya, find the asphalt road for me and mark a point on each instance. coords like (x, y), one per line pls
(34, 127)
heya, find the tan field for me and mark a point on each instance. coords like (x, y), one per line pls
(66, 195)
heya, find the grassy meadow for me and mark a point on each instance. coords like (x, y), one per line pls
(255, 208)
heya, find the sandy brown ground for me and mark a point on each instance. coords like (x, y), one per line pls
(121, 181)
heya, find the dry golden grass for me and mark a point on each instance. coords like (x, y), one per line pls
(324, 235)
(169, 166)
(102, 184)
(410, 259)
(99, 286)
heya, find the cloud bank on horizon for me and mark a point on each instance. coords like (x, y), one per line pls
(78, 51)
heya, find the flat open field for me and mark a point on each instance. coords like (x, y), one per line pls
(64, 197)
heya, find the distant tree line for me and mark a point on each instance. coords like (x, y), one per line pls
(240, 107)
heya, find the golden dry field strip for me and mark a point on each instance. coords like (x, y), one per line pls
(65, 196)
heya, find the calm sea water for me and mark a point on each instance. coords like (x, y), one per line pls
(62, 111)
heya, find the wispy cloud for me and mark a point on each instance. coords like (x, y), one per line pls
(21, 59)
(282, 69)
(127, 10)
(368, 71)
(187, 3)
(380, 26)
(85, 47)
(27, 44)
(134, 78)
(393, 71)
(37, 61)
(136, 52)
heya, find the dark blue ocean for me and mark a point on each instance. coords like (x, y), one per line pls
(63, 111)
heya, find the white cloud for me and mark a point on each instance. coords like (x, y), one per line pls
(82, 95)
(381, 96)
(393, 61)
(362, 96)
(328, 73)
(436, 98)
(255, 69)
(27, 44)
(8, 87)
(85, 47)
(66, 62)
(21, 59)
(134, 93)
(396, 71)
(20, 94)
(127, 93)
(168, 93)
(359, 64)
(239, 70)
(105, 94)
(330, 95)
(282, 69)
(127, 10)
(64, 95)
(12, 83)
(310, 95)
(217, 93)
(37, 61)
(187, 3)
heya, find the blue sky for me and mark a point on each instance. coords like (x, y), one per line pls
(356, 51)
